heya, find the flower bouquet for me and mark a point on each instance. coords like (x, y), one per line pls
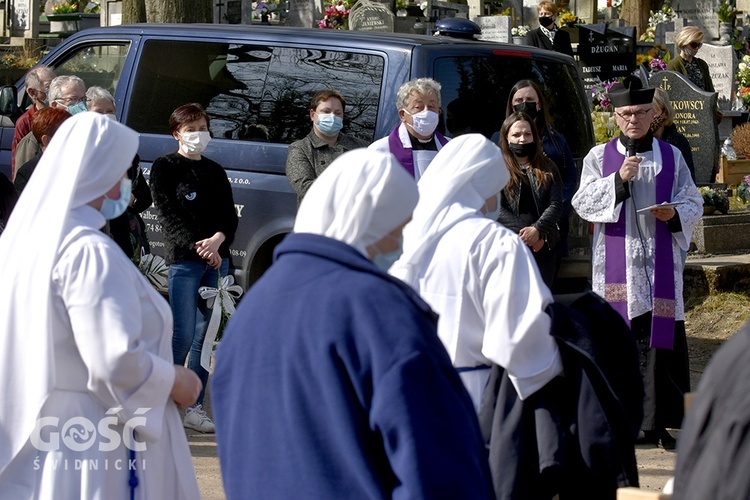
(714, 197)
(743, 80)
(520, 30)
(221, 300)
(156, 271)
(65, 8)
(336, 15)
(743, 190)
(569, 19)
(602, 116)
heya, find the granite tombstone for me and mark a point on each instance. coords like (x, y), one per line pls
(695, 119)
(494, 28)
(367, 15)
(303, 13)
(722, 61)
(606, 52)
(700, 13)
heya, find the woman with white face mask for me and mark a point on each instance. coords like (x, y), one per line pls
(195, 202)
(689, 41)
(307, 158)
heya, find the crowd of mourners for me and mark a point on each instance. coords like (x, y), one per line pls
(404, 343)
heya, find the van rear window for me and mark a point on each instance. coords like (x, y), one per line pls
(252, 92)
(475, 92)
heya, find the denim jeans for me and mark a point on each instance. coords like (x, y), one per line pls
(191, 315)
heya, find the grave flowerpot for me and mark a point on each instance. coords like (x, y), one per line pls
(518, 40)
(732, 172)
(708, 209)
(73, 22)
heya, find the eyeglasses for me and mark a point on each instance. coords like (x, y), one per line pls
(71, 100)
(640, 114)
(695, 45)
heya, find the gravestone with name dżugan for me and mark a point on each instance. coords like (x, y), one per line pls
(605, 52)
(367, 15)
(722, 61)
(695, 118)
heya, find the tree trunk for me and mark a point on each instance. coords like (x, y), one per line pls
(179, 11)
(133, 11)
(636, 13)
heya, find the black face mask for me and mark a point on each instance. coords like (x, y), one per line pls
(546, 21)
(527, 150)
(527, 107)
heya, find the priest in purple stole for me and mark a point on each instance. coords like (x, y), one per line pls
(637, 265)
(415, 142)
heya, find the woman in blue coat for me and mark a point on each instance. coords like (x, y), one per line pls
(330, 380)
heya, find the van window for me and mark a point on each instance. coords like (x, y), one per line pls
(475, 92)
(96, 64)
(252, 92)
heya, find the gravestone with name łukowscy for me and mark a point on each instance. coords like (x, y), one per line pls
(606, 53)
(695, 118)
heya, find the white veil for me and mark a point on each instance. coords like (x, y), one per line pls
(87, 156)
(467, 171)
(362, 196)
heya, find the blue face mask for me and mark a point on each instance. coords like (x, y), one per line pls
(384, 261)
(111, 209)
(329, 124)
(76, 108)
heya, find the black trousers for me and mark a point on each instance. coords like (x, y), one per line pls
(666, 376)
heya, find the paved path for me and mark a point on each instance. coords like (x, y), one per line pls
(655, 465)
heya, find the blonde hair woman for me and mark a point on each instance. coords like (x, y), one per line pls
(689, 40)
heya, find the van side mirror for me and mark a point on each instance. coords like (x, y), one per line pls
(8, 105)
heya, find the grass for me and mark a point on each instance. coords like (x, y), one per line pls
(717, 316)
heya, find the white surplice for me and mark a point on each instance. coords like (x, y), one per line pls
(476, 274)
(112, 349)
(595, 202)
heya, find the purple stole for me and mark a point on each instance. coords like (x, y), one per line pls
(405, 155)
(615, 282)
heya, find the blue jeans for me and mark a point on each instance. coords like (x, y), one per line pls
(191, 315)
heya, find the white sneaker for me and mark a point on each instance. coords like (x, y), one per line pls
(196, 419)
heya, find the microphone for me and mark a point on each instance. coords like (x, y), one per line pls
(630, 147)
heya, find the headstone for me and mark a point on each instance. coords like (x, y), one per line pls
(605, 52)
(303, 13)
(695, 119)
(21, 19)
(700, 13)
(494, 28)
(722, 61)
(441, 10)
(476, 8)
(367, 15)
(660, 33)
(585, 10)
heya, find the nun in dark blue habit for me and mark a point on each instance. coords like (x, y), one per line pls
(330, 380)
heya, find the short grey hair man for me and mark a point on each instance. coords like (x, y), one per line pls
(423, 86)
(63, 85)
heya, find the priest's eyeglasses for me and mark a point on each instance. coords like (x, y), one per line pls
(640, 114)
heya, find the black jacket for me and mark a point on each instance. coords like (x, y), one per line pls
(539, 39)
(194, 199)
(714, 444)
(548, 202)
(575, 436)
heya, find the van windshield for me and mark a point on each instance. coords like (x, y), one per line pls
(475, 92)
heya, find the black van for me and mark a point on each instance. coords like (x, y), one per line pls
(256, 83)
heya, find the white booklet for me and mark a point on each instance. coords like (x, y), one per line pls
(661, 205)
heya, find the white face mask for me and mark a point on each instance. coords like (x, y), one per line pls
(194, 142)
(425, 122)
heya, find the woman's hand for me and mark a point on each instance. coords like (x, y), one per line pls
(208, 249)
(530, 235)
(186, 387)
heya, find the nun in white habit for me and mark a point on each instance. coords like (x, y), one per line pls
(86, 375)
(476, 274)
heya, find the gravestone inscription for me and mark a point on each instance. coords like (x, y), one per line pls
(695, 119)
(494, 28)
(367, 15)
(722, 61)
(605, 52)
(700, 13)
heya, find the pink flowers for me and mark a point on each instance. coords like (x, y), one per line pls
(657, 64)
(335, 16)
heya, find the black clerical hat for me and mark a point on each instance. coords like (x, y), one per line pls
(630, 92)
